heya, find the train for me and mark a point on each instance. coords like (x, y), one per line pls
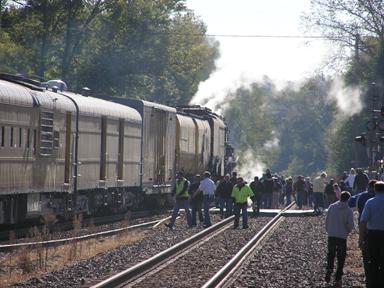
(64, 153)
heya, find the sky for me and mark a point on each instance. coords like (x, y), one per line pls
(245, 60)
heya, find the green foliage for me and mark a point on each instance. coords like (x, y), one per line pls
(154, 50)
(301, 119)
(249, 124)
(285, 129)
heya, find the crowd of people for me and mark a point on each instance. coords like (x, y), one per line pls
(271, 191)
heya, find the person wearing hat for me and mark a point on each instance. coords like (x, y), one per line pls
(240, 194)
(319, 184)
(180, 191)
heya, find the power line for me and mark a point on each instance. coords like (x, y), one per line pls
(262, 36)
(273, 36)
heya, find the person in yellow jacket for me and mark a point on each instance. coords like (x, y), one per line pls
(181, 199)
(240, 194)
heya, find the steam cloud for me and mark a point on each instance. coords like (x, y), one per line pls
(251, 167)
(348, 99)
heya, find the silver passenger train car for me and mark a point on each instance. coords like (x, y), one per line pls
(63, 153)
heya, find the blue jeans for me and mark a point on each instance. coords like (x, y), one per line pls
(206, 205)
(244, 212)
(181, 203)
(227, 203)
(267, 200)
(196, 209)
(318, 201)
(288, 198)
(299, 199)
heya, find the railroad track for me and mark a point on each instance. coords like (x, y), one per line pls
(21, 232)
(180, 260)
(227, 274)
(57, 242)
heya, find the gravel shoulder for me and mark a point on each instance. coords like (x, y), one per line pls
(143, 245)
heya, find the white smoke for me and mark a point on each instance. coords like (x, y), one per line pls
(251, 166)
(348, 99)
(272, 144)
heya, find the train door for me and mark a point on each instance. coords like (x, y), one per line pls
(67, 157)
(159, 125)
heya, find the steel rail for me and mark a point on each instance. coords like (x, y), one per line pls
(22, 232)
(147, 265)
(57, 242)
(228, 269)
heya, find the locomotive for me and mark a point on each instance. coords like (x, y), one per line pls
(63, 153)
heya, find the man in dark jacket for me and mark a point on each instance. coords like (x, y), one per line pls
(268, 189)
(257, 189)
(299, 189)
(371, 233)
(223, 191)
(358, 201)
(196, 200)
(361, 182)
(329, 193)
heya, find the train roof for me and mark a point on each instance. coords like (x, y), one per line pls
(139, 104)
(98, 107)
(14, 91)
(20, 95)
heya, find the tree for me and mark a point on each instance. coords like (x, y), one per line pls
(248, 121)
(354, 24)
(357, 26)
(79, 16)
(149, 50)
(301, 119)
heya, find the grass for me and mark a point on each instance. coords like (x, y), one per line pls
(24, 264)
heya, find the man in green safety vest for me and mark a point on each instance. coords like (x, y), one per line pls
(240, 194)
(180, 191)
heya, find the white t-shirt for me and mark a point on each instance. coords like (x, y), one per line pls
(350, 179)
(207, 186)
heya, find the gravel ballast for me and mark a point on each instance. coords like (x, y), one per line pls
(106, 264)
(202, 262)
(295, 256)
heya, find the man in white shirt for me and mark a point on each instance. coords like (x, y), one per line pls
(207, 188)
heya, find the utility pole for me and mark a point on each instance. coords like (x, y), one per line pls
(373, 137)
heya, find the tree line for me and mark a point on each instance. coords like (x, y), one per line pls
(310, 131)
(153, 50)
(158, 51)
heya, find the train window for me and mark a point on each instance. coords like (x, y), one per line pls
(56, 139)
(20, 136)
(28, 138)
(2, 136)
(11, 137)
